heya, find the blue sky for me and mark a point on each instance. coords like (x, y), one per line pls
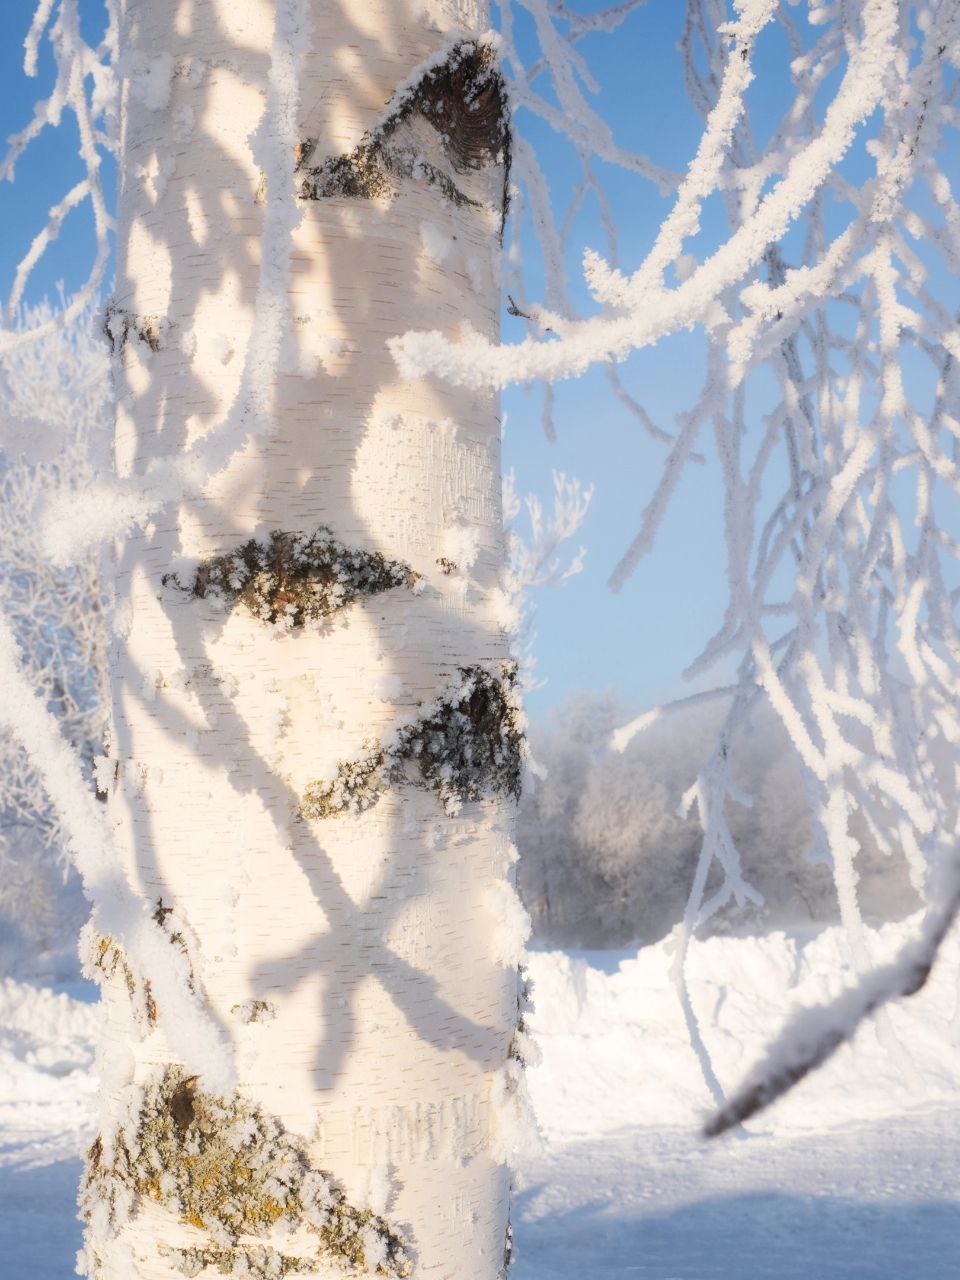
(587, 638)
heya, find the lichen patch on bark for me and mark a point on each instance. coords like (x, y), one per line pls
(228, 1169)
(468, 744)
(295, 578)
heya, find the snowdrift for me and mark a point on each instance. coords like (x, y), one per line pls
(47, 1085)
(617, 1051)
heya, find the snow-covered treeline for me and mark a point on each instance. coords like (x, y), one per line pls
(609, 850)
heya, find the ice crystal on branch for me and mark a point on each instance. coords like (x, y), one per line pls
(534, 557)
(294, 578)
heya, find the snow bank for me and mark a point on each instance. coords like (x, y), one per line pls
(47, 1085)
(616, 1050)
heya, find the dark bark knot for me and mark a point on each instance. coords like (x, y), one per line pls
(295, 578)
(463, 99)
(120, 326)
(466, 745)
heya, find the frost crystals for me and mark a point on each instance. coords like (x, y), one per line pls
(227, 1169)
(293, 579)
(467, 744)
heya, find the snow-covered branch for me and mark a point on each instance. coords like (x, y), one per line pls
(120, 913)
(814, 1035)
(112, 507)
(53, 639)
(534, 559)
(53, 425)
(85, 86)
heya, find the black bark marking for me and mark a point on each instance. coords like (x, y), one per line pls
(120, 325)
(463, 98)
(296, 577)
(469, 744)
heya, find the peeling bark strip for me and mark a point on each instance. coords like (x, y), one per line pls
(294, 579)
(119, 325)
(225, 1168)
(469, 744)
(463, 99)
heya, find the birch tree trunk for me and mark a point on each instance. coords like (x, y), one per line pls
(315, 747)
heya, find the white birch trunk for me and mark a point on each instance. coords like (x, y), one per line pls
(368, 949)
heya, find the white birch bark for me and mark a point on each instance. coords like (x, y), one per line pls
(368, 949)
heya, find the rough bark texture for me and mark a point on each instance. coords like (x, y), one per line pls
(349, 958)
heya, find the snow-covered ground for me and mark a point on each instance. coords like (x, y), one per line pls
(855, 1175)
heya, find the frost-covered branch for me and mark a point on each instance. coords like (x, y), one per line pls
(110, 508)
(642, 309)
(120, 913)
(814, 1035)
(52, 654)
(85, 86)
(555, 87)
(534, 559)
